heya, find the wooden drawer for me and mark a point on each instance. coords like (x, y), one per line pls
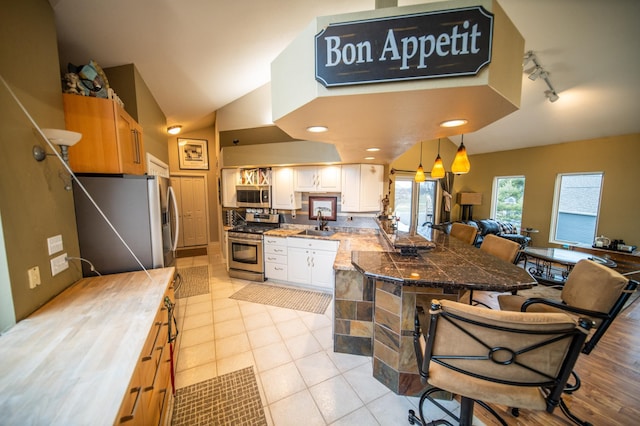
(131, 408)
(275, 241)
(281, 250)
(276, 271)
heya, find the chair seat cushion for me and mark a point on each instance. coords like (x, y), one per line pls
(496, 393)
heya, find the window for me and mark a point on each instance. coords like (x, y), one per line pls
(424, 197)
(576, 208)
(506, 204)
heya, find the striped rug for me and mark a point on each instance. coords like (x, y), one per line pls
(284, 297)
(194, 281)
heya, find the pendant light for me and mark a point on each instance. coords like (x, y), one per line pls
(461, 163)
(437, 171)
(420, 177)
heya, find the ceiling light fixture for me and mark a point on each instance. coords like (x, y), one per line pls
(373, 149)
(420, 177)
(454, 123)
(461, 163)
(174, 130)
(539, 72)
(317, 129)
(437, 171)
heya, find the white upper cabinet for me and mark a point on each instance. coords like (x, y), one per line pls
(317, 179)
(283, 195)
(362, 187)
(230, 178)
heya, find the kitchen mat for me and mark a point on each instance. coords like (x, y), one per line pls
(194, 282)
(230, 399)
(283, 297)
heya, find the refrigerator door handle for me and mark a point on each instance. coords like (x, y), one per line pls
(171, 199)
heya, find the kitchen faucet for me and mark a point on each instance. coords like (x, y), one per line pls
(322, 224)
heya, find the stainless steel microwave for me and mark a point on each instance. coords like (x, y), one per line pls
(253, 196)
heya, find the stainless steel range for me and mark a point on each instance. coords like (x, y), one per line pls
(245, 246)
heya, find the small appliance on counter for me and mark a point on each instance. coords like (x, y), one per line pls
(617, 245)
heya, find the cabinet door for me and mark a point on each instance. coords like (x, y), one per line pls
(129, 143)
(282, 193)
(322, 274)
(330, 178)
(371, 187)
(305, 179)
(350, 188)
(230, 178)
(299, 265)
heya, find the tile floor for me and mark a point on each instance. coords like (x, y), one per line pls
(301, 379)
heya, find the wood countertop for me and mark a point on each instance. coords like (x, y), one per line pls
(71, 361)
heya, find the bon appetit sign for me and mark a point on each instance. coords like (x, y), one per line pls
(425, 45)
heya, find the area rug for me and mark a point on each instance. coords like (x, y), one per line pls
(230, 399)
(194, 281)
(291, 298)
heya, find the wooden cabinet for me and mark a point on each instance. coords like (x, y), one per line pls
(146, 400)
(275, 258)
(283, 195)
(112, 141)
(230, 178)
(362, 187)
(317, 179)
(310, 262)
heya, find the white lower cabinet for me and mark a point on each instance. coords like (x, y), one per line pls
(275, 258)
(310, 262)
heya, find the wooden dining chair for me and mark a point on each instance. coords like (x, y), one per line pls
(463, 232)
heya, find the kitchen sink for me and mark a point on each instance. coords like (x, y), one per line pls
(316, 233)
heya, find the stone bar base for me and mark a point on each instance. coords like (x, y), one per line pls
(353, 313)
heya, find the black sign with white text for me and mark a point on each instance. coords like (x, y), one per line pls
(425, 45)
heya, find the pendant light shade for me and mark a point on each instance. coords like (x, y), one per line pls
(437, 171)
(461, 163)
(420, 177)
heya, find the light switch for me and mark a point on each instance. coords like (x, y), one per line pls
(55, 244)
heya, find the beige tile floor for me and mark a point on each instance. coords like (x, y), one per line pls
(301, 379)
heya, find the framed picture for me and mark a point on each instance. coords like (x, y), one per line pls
(193, 154)
(326, 206)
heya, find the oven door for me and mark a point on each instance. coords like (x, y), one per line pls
(245, 253)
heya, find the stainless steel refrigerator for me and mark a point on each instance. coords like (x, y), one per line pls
(142, 209)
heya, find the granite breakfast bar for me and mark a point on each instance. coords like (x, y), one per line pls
(376, 296)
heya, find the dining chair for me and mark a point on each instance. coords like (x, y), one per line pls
(463, 232)
(516, 359)
(591, 291)
(501, 248)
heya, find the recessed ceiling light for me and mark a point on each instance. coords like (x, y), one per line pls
(454, 123)
(317, 129)
(373, 149)
(174, 130)
(369, 158)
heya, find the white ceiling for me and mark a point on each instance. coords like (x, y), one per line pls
(197, 56)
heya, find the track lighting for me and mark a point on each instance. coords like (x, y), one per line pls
(539, 72)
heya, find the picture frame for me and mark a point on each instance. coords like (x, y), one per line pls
(327, 205)
(193, 154)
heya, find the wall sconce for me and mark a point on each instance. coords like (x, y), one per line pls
(420, 177)
(63, 138)
(461, 163)
(437, 171)
(174, 130)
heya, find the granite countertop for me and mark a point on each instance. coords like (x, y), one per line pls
(451, 263)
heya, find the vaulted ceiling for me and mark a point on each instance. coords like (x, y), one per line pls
(197, 56)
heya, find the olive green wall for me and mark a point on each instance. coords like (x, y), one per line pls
(33, 202)
(616, 156)
(139, 102)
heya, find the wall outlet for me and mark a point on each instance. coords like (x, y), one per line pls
(54, 244)
(59, 264)
(34, 277)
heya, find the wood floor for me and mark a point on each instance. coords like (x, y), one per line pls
(610, 392)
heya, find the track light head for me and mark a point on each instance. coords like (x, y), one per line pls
(537, 72)
(551, 95)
